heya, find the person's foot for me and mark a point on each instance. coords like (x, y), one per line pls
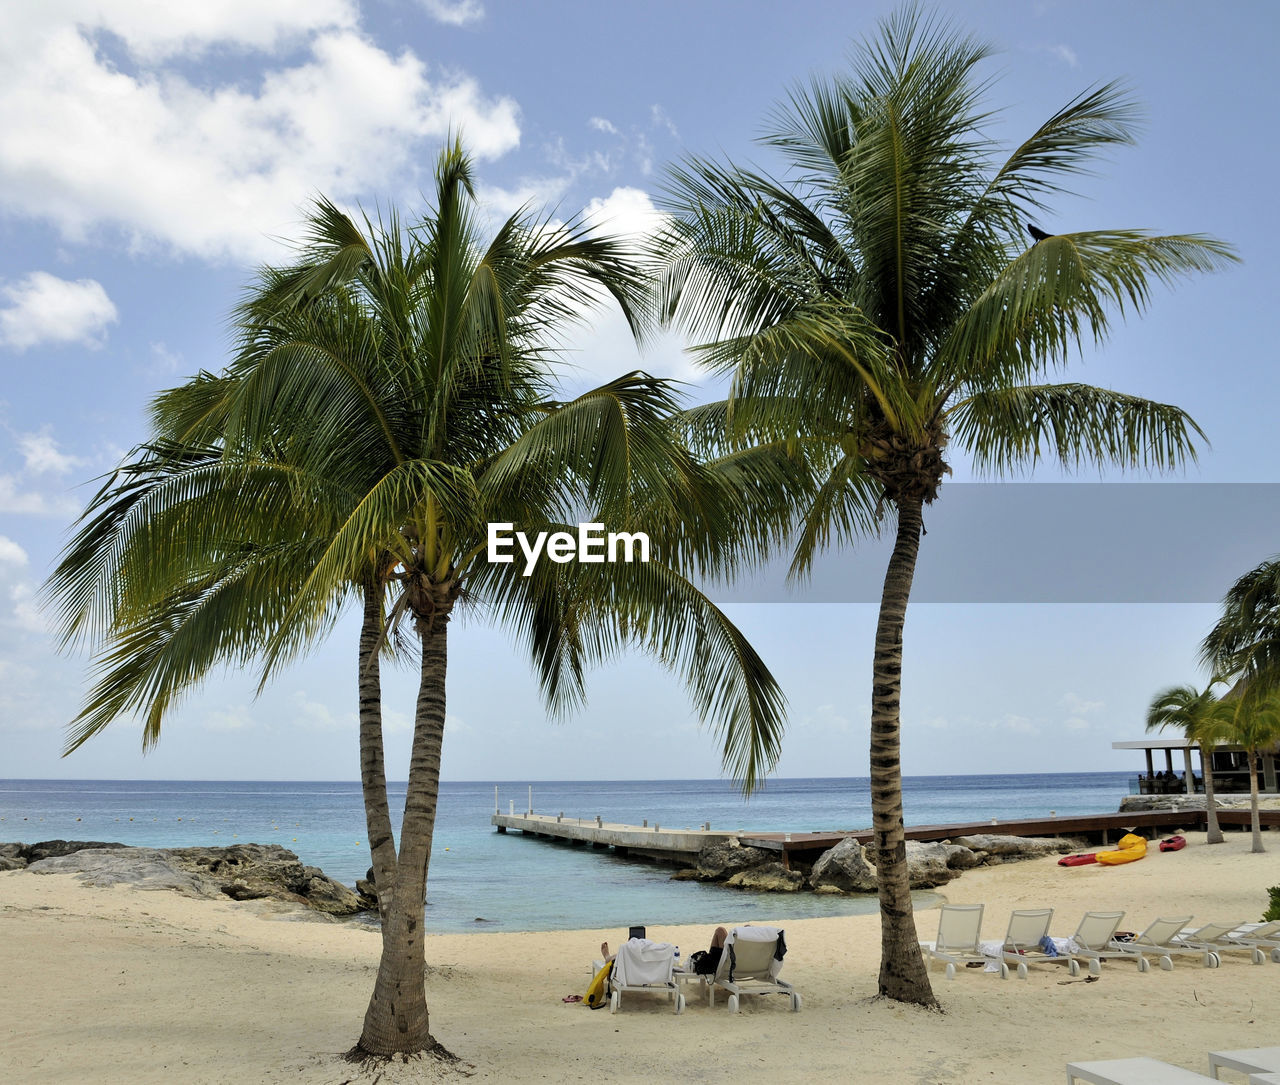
(604, 950)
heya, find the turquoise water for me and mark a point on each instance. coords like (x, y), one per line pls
(484, 880)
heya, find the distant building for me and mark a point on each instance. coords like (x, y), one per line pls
(1230, 768)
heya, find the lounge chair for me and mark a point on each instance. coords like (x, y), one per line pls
(958, 928)
(644, 967)
(1091, 941)
(1142, 1071)
(750, 964)
(1159, 940)
(1255, 1061)
(1024, 942)
(1259, 937)
(1214, 939)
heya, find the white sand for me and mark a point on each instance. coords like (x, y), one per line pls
(118, 985)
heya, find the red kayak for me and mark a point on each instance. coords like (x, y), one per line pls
(1174, 843)
(1079, 859)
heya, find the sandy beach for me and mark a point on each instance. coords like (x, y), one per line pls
(120, 985)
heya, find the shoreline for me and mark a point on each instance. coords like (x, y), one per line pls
(126, 985)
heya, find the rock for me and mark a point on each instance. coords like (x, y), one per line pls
(12, 862)
(11, 851)
(240, 891)
(844, 869)
(768, 877)
(48, 849)
(242, 872)
(367, 892)
(935, 863)
(717, 862)
(1018, 847)
(847, 868)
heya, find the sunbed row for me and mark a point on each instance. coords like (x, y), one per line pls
(1097, 938)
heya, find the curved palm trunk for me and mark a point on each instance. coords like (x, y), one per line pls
(373, 778)
(1214, 830)
(396, 1020)
(903, 975)
(1254, 820)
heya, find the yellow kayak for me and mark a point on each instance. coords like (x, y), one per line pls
(1130, 849)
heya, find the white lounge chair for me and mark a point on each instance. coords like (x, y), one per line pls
(1159, 940)
(1259, 936)
(1028, 928)
(1091, 940)
(645, 967)
(1142, 1071)
(1214, 939)
(1255, 1061)
(750, 964)
(958, 928)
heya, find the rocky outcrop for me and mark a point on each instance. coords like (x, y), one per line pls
(844, 869)
(719, 862)
(848, 867)
(241, 872)
(1182, 801)
(1006, 848)
(768, 877)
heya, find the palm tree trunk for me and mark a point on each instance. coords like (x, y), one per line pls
(396, 1020)
(903, 975)
(1214, 830)
(373, 778)
(1253, 802)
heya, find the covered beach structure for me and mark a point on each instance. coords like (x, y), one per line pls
(1229, 764)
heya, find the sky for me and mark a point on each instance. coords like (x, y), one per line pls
(154, 154)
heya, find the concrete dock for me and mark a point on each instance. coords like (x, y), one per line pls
(680, 847)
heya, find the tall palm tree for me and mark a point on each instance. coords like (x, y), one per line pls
(884, 301)
(1204, 720)
(391, 397)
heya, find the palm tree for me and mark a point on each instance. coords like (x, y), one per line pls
(390, 398)
(883, 301)
(1204, 720)
(1254, 725)
(1245, 641)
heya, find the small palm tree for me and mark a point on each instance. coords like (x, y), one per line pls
(1204, 720)
(884, 302)
(1254, 724)
(390, 398)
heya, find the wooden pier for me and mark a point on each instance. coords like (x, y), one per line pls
(681, 846)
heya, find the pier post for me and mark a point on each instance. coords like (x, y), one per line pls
(495, 798)
(531, 798)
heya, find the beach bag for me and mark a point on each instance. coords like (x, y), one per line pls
(705, 961)
(598, 990)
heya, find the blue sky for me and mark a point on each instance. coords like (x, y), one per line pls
(153, 154)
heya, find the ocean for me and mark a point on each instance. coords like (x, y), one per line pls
(483, 880)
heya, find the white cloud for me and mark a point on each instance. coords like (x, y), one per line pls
(455, 12)
(1075, 723)
(602, 125)
(41, 455)
(46, 309)
(319, 716)
(605, 349)
(14, 499)
(660, 119)
(1067, 54)
(26, 609)
(215, 165)
(11, 553)
(232, 718)
(1080, 706)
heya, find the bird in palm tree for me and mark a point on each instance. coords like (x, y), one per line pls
(391, 395)
(880, 306)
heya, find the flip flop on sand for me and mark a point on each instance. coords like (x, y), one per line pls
(571, 998)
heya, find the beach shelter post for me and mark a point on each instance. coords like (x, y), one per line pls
(1188, 775)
